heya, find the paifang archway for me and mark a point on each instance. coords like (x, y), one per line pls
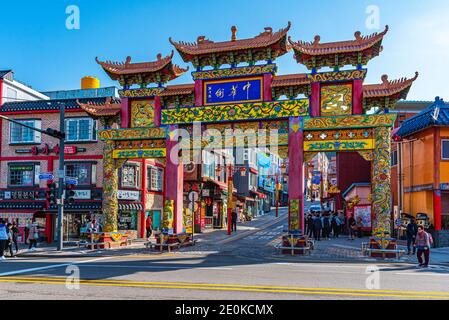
(332, 116)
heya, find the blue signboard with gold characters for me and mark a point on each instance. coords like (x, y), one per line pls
(233, 91)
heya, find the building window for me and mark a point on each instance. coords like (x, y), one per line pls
(130, 176)
(23, 175)
(82, 171)
(394, 158)
(445, 149)
(155, 179)
(24, 135)
(81, 129)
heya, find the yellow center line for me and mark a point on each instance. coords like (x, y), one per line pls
(231, 287)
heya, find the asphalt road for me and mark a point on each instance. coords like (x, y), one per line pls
(221, 272)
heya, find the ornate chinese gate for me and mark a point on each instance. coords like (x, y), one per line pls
(331, 117)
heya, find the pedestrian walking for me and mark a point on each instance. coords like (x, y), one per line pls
(15, 233)
(412, 231)
(3, 239)
(423, 243)
(317, 227)
(358, 227)
(33, 236)
(149, 226)
(351, 228)
(234, 220)
(10, 241)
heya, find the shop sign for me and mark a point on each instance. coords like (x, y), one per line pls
(19, 195)
(82, 194)
(128, 195)
(444, 186)
(206, 193)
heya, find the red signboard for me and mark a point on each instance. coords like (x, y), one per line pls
(70, 150)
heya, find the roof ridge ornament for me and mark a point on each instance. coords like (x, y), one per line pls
(234, 33)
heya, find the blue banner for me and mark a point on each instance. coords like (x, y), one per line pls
(233, 91)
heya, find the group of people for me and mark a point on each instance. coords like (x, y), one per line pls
(8, 238)
(323, 225)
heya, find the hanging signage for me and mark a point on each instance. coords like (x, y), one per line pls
(233, 91)
(48, 150)
(18, 195)
(128, 195)
(82, 195)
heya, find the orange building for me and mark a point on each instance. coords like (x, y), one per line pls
(424, 144)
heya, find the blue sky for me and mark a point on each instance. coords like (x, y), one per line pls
(46, 55)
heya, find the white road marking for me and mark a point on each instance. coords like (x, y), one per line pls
(4, 274)
(157, 267)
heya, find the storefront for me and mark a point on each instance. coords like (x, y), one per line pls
(128, 215)
(22, 220)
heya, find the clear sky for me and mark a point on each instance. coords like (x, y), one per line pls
(46, 55)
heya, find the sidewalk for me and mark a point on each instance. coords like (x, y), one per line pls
(344, 250)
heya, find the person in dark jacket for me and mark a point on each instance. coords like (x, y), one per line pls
(309, 226)
(412, 231)
(351, 228)
(234, 221)
(317, 227)
(326, 227)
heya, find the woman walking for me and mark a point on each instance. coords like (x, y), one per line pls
(32, 237)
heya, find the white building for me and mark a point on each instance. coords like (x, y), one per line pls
(14, 91)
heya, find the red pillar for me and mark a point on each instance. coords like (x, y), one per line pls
(157, 111)
(315, 100)
(295, 171)
(437, 209)
(124, 113)
(357, 97)
(144, 194)
(174, 175)
(436, 180)
(267, 95)
(198, 93)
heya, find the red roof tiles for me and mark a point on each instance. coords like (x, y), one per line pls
(205, 46)
(117, 69)
(108, 109)
(388, 88)
(360, 43)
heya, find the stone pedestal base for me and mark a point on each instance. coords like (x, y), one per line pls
(106, 240)
(295, 244)
(182, 239)
(383, 248)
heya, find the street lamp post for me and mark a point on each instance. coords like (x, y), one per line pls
(61, 175)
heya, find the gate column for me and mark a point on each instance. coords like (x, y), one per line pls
(296, 175)
(174, 176)
(110, 187)
(381, 181)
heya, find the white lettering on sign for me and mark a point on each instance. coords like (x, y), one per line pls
(128, 195)
(82, 194)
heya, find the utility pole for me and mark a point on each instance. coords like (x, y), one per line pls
(61, 175)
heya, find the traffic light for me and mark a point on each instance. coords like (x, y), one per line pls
(52, 193)
(69, 193)
(55, 133)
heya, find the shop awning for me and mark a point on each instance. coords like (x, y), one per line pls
(130, 207)
(222, 185)
(259, 194)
